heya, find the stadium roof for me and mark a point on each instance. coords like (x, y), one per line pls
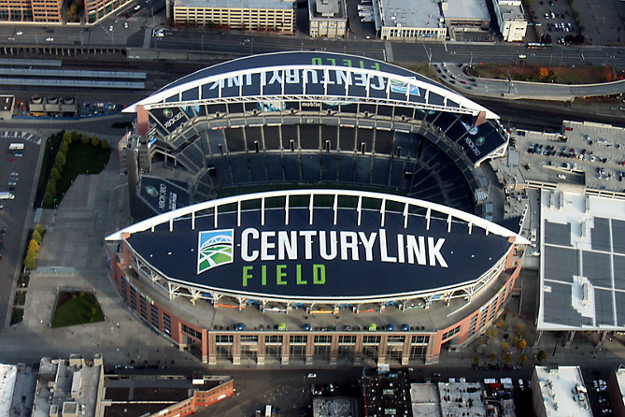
(318, 76)
(582, 246)
(354, 246)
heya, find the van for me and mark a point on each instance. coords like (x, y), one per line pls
(6, 195)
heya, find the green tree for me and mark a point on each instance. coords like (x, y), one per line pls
(492, 357)
(39, 228)
(523, 358)
(541, 356)
(74, 136)
(55, 174)
(95, 141)
(29, 262)
(60, 159)
(48, 199)
(476, 360)
(64, 147)
(67, 136)
(104, 144)
(36, 236)
(84, 138)
(505, 346)
(32, 253)
(51, 187)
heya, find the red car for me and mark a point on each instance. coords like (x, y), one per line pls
(10, 159)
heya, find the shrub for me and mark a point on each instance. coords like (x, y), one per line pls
(31, 253)
(33, 245)
(36, 236)
(74, 136)
(84, 138)
(60, 159)
(64, 147)
(48, 199)
(39, 228)
(55, 174)
(104, 144)
(51, 187)
(95, 141)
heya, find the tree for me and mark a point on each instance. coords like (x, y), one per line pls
(95, 141)
(541, 356)
(29, 262)
(67, 136)
(48, 199)
(64, 147)
(74, 136)
(39, 228)
(32, 253)
(60, 159)
(51, 187)
(36, 236)
(492, 357)
(104, 144)
(33, 245)
(523, 358)
(543, 73)
(55, 174)
(507, 358)
(522, 344)
(500, 322)
(84, 138)
(505, 346)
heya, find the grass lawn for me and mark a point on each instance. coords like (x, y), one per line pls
(81, 159)
(76, 308)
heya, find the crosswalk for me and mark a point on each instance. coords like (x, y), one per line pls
(20, 135)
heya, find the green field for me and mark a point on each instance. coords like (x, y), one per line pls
(76, 308)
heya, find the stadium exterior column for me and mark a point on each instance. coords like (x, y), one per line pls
(260, 354)
(405, 355)
(334, 349)
(382, 349)
(358, 348)
(434, 349)
(236, 349)
(204, 345)
(212, 349)
(286, 349)
(310, 349)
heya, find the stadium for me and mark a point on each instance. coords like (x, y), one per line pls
(314, 207)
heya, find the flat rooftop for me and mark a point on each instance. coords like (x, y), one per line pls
(417, 13)
(461, 399)
(8, 378)
(333, 407)
(467, 10)
(582, 247)
(235, 4)
(557, 387)
(425, 400)
(620, 379)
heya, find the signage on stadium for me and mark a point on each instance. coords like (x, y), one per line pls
(330, 76)
(217, 247)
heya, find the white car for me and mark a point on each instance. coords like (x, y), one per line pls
(19, 33)
(137, 7)
(311, 375)
(111, 28)
(125, 25)
(49, 39)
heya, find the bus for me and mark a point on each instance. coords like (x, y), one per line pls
(534, 45)
(268, 412)
(16, 146)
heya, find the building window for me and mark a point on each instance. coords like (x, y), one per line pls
(417, 352)
(273, 339)
(371, 340)
(397, 339)
(347, 340)
(249, 339)
(451, 333)
(191, 332)
(322, 351)
(223, 339)
(143, 306)
(167, 324)
(297, 351)
(133, 299)
(154, 315)
(298, 339)
(323, 339)
(420, 340)
(473, 325)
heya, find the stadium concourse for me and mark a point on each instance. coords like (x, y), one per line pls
(314, 207)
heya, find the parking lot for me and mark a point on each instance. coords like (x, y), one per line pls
(555, 18)
(585, 154)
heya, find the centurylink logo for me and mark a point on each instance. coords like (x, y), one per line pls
(215, 248)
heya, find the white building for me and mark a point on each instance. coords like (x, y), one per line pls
(327, 18)
(420, 20)
(559, 392)
(511, 19)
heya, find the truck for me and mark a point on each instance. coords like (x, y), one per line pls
(16, 146)
(6, 195)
